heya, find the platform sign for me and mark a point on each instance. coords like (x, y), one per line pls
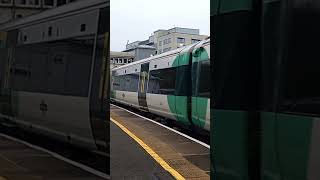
(3, 39)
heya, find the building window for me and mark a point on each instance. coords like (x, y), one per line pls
(169, 40)
(19, 16)
(125, 61)
(160, 43)
(181, 40)
(194, 40)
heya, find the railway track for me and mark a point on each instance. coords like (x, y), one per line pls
(200, 136)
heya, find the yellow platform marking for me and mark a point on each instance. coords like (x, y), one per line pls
(2, 178)
(153, 154)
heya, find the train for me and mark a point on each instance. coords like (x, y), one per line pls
(172, 85)
(54, 74)
(265, 84)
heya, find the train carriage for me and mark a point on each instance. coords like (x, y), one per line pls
(54, 75)
(265, 74)
(162, 85)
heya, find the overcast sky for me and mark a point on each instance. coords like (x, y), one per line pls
(136, 19)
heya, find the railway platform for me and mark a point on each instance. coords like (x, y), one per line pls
(145, 149)
(22, 161)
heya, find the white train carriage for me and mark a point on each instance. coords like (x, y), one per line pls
(54, 73)
(162, 85)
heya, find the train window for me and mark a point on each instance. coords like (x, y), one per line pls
(194, 76)
(48, 2)
(301, 91)
(162, 81)
(50, 31)
(53, 70)
(204, 78)
(132, 82)
(83, 27)
(182, 81)
(271, 45)
(61, 2)
(20, 2)
(34, 2)
(6, 1)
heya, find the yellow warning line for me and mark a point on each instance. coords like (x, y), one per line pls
(153, 154)
(2, 178)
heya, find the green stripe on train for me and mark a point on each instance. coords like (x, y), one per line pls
(285, 146)
(227, 6)
(178, 107)
(199, 111)
(229, 153)
(180, 60)
(200, 54)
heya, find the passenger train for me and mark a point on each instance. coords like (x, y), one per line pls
(173, 85)
(265, 83)
(54, 75)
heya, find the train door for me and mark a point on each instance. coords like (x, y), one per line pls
(201, 89)
(142, 92)
(234, 76)
(291, 106)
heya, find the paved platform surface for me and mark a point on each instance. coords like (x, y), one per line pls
(21, 162)
(190, 159)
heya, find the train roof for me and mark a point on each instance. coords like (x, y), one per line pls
(175, 51)
(58, 12)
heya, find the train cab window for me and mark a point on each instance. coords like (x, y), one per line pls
(301, 87)
(162, 81)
